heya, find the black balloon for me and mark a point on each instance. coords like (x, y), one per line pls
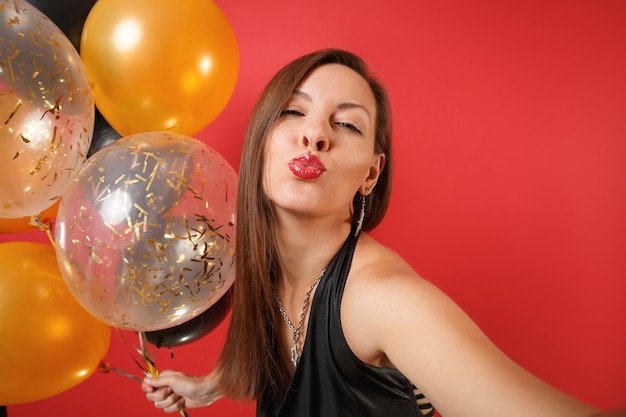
(103, 134)
(195, 328)
(68, 15)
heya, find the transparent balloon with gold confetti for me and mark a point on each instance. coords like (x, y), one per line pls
(46, 111)
(145, 233)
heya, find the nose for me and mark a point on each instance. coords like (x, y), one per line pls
(315, 138)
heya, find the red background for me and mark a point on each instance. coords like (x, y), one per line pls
(510, 175)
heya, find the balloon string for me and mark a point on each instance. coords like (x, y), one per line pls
(35, 220)
(105, 369)
(140, 363)
(149, 364)
(146, 364)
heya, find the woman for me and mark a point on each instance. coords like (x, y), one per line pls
(326, 321)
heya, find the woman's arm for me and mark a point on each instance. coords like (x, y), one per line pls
(407, 323)
(172, 391)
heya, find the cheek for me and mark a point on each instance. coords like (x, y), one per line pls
(363, 161)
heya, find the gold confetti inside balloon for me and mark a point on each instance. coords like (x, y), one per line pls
(46, 111)
(145, 232)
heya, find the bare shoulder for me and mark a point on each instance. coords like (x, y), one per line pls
(385, 293)
(389, 310)
(380, 273)
(371, 255)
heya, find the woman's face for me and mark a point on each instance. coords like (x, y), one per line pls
(321, 150)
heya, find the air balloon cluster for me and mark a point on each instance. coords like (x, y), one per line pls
(99, 102)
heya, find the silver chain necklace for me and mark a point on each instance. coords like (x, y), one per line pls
(295, 331)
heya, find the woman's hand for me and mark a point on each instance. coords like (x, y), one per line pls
(172, 391)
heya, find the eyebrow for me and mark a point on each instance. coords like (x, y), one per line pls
(346, 105)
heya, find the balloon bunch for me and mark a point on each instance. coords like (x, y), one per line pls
(94, 149)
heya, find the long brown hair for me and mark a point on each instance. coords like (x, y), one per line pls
(250, 366)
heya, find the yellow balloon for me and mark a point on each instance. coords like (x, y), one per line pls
(50, 343)
(159, 66)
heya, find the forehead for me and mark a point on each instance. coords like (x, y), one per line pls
(339, 83)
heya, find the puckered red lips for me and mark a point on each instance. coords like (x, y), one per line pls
(307, 167)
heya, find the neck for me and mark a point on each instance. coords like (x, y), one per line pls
(306, 247)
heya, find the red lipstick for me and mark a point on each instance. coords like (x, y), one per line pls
(307, 167)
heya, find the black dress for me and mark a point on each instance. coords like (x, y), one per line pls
(330, 380)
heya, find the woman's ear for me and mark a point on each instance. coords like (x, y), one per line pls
(378, 164)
